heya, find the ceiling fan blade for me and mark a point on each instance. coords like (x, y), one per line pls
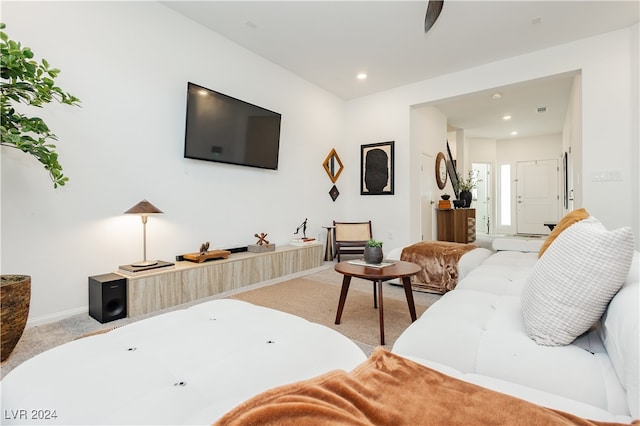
(434, 7)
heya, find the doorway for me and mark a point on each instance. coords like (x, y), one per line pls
(426, 197)
(537, 196)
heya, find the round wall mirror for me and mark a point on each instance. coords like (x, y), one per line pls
(441, 170)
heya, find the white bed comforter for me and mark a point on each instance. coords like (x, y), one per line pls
(185, 367)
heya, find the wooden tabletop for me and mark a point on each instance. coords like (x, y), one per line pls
(399, 269)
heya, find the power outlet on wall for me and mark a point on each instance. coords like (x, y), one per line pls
(389, 235)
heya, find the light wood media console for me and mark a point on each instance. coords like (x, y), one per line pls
(189, 281)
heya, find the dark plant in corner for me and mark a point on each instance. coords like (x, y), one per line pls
(27, 81)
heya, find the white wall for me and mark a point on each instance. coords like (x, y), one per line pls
(129, 63)
(572, 144)
(428, 130)
(608, 64)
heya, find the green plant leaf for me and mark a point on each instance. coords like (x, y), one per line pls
(29, 82)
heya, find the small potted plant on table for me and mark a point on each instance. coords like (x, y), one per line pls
(373, 251)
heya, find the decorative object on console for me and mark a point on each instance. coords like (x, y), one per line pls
(262, 245)
(299, 242)
(204, 247)
(302, 226)
(334, 193)
(261, 239)
(330, 165)
(445, 203)
(373, 251)
(144, 209)
(206, 255)
(376, 169)
(466, 185)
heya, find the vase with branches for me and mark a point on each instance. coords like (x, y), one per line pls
(27, 81)
(466, 185)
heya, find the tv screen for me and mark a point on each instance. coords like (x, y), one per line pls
(227, 130)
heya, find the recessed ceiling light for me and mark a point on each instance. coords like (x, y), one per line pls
(506, 117)
(361, 76)
(496, 95)
(515, 132)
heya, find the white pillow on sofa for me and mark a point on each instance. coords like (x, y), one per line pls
(572, 283)
(620, 332)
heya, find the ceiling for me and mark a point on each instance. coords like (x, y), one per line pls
(329, 42)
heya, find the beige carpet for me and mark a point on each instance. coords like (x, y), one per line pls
(318, 302)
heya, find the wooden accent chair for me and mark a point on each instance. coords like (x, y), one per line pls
(350, 237)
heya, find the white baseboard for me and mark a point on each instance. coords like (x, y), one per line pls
(46, 319)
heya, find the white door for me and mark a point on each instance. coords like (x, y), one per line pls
(426, 195)
(537, 197)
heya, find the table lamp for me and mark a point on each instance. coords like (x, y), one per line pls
(144, 209)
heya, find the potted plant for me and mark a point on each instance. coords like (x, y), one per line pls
(373, 251)
(15, 295)
(23, 80)
(466, 185)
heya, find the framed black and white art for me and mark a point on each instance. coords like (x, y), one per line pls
(376, 169)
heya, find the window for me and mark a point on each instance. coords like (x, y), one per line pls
(505, 195)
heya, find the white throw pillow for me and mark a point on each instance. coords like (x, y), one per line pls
(572, 284)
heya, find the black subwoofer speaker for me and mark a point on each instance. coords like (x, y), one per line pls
(107, 297)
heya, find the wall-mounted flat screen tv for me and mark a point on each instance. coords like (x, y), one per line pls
(227, 130)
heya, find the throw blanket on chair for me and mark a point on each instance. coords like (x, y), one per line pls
(391, 390)
(439, 263)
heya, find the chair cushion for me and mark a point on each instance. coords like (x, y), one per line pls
(572, 284)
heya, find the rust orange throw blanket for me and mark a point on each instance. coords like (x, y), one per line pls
(391, 390)
(439, 263)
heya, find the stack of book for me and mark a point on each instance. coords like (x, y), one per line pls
(139, 270)
(302, 241)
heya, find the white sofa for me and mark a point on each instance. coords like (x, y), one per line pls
(476, 332)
